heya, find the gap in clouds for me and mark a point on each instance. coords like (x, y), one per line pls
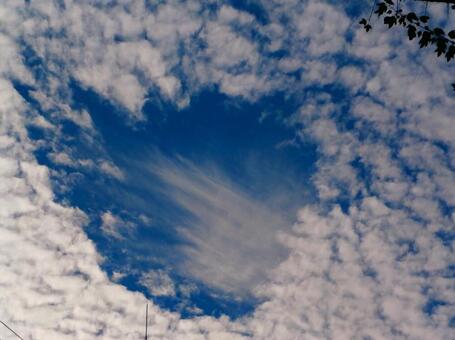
(192, 222)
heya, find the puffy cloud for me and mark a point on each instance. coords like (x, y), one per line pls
(350, 273)
(114, 226)
(352, 276)
(323, 27)
(158, 283)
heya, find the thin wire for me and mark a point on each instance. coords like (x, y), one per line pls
(146, 319)
(372, 9)
(12, 331)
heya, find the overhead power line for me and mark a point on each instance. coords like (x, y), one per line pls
(12, 331)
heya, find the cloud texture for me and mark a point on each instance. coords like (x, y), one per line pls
(372, 259)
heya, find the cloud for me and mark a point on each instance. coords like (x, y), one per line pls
(102, 47)
(231, 235)
(115, 226)
(350, 272)
(158, 283)
(342, 279)
(112, 170)
(52, 285)
(324, 25)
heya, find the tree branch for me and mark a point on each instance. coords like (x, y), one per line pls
(440, 1)
(417, 27)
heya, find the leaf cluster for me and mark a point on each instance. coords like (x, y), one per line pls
(417, 28)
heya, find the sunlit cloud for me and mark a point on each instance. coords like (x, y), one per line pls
(370, 257)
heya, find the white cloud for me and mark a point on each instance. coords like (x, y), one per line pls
(323, 290)
(111, 169)
(348, 275)
(51, 283)
(61, 158)
(115, 226)
(158, 283)
(231, 234)
(323, 26)
(117, 276)
(352, 78)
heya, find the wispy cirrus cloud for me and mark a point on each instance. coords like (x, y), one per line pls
(230, 235)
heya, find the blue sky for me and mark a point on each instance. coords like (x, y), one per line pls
(259, 170)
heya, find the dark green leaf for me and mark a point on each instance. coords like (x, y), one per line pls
(363, 21)
(452, 34)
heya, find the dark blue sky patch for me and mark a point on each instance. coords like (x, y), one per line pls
(214, 127)
(252, 7)
(432, 305)
(446, 237)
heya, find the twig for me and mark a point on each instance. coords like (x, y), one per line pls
(440, 1)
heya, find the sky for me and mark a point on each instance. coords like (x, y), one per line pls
(248, 169)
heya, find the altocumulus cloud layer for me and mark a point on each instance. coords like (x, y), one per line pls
(373, 258)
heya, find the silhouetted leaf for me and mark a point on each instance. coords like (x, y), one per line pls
(411, 32)
(441, 46)
(438, 31)
(390, 21)
(450, 53)
(416, 26)
(424, 18)
(381, 9)
(425, 39)
(412, 16)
